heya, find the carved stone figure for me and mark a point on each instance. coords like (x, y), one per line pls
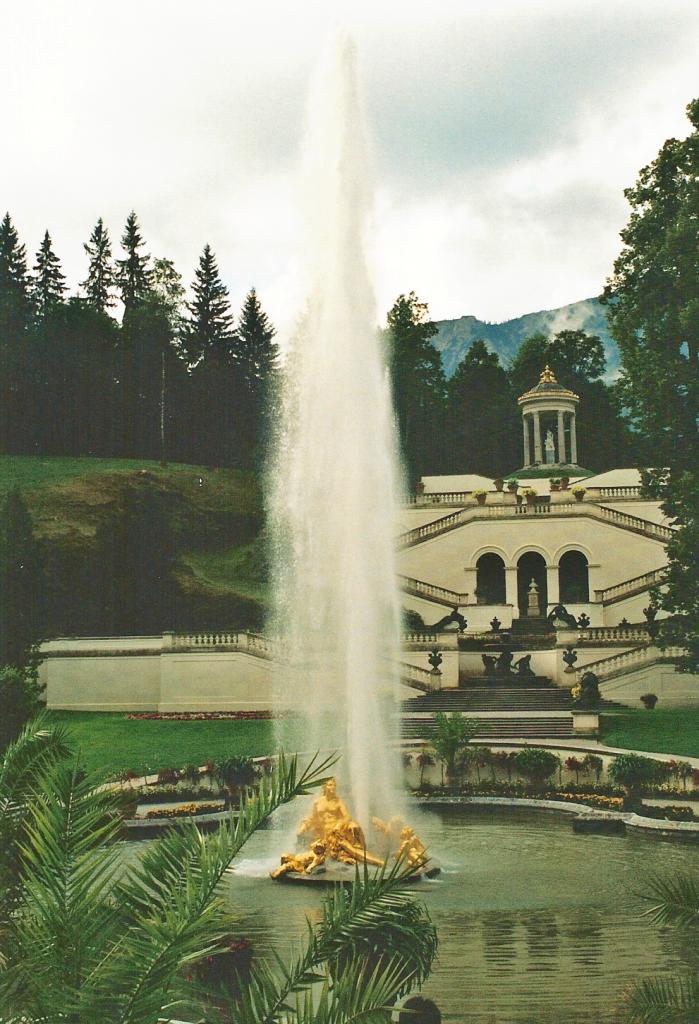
(549, 448)
(454, 618)
(559, 616)
(302, 863)
(327, 812)
(412, 849)
(523, 666)
(489, 663)
(503, 666)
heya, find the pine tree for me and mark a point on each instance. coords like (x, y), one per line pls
(49, 281)
(256, 354)
(134, 274)
(209, 327)
(22, 585)
(101, 276)
(418, 383)
(15, 298)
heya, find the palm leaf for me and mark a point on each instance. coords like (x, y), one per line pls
(664, 1001)
(674, 900)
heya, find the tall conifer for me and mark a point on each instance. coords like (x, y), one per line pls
(15, 300)
(49, 281)
(257, 355)
(101, 275)
(134, 273)
(209, 327)
(21, 584)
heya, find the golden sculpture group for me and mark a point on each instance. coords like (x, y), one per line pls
(335, 836)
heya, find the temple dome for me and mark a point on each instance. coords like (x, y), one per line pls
(548, 387)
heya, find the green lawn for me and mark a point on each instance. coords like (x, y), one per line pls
(666, 731)
(112, 742)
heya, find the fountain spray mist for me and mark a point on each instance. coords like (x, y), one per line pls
(333, 483)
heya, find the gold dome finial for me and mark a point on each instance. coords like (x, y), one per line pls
(547, 376)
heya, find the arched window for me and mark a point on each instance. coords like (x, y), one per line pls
(573, 581)
(490, 579)
(531, 566)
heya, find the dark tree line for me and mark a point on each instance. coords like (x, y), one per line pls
(173, 380)
(471, 423)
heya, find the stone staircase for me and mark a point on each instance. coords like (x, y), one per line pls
(472, 700)
(529, 727)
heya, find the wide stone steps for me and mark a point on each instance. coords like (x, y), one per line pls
(491, 700)
(529, 727)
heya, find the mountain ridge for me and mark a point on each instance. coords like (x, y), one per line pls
(455, 337)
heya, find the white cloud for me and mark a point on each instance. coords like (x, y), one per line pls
(504, 133)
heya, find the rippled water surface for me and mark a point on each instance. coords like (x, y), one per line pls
(536, 924)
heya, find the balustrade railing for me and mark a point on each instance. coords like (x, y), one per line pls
(613, 634)
(627, 661)
(536, 508)
(632, 491)
(431, 592)
(633, 586)
(252, 643)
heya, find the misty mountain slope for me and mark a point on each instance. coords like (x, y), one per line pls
(455, 337)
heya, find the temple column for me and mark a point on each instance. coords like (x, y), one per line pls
(561, 438)
(573, 442)
(525, 427)
(511, 586)
(552, 587)
(537, 439)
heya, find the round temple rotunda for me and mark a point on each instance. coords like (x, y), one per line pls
(549, 429)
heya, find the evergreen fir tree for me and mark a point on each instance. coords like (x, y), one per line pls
(22, 585)
(15, 299)
(209, 327)
(134, 274)
(256, 354)
(101, 276)
(49, 281)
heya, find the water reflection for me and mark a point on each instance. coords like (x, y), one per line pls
(535, 923)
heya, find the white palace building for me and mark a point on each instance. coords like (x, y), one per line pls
(552, 566)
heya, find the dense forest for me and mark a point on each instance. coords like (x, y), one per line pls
(184, 381)
(172, 380)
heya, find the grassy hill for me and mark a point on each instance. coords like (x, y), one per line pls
(216, 515)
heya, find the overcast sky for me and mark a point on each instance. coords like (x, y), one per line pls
(503, 131)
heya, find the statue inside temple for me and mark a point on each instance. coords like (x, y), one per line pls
(549, 448)
(336, 837)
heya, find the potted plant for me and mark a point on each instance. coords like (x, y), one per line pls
(530, 494)
(480, 496)
(499, 483)
(512, 486)
(565, 480)
(555, 483)
(579, 493)
(649, 700)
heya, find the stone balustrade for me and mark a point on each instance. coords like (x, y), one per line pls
(635, 585)
(627, 661)
(613, 635)
(539, 507)
(431, 592)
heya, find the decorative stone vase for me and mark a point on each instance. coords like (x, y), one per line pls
(512, 486)
(531, 498)
(480, 498)
(499, 484)
(579, 495)
(565, 480)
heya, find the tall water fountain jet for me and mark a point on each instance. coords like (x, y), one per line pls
(334, 481)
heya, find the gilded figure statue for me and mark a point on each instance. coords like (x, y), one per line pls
(336, 837)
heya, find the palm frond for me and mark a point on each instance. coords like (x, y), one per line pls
(169, 901)
(664, 1001)
(62, 920)
(375, 922)
(674, 900)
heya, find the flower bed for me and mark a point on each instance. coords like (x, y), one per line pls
(670, 813)
(603, 803)
(185, 811)
(200, 716)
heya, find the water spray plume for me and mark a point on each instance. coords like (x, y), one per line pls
(334, 479)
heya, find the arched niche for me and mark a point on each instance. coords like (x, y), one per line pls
(531, 566)
(490, 579)
(573, 578)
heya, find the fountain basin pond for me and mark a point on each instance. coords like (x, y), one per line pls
(537, 925)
